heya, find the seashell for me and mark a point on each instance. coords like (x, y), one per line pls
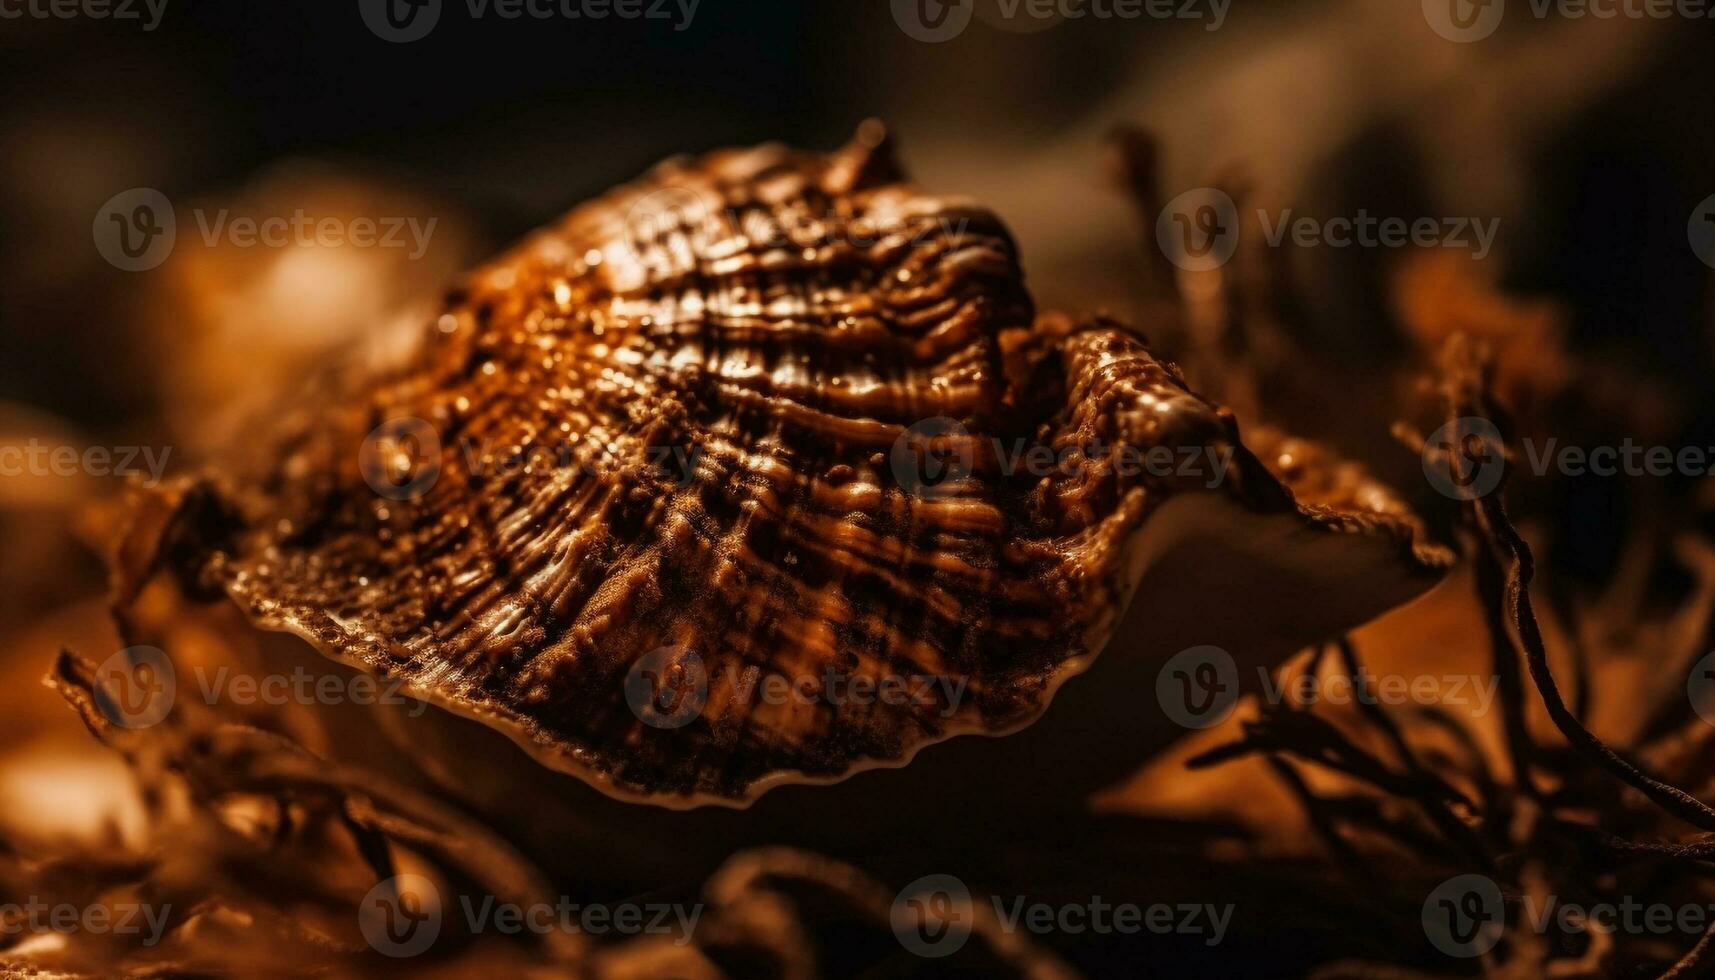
(777, 420)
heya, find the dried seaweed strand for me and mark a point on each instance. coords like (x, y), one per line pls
(1325, 826)
(223, 758)
(1522, 750)
(1510, 558)
(1435, 805)
(1698, 850)
(1696, 963)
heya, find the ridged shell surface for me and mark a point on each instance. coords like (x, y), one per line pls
(676, 437)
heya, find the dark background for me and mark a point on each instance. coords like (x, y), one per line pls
(517, 120)
(1592, 142)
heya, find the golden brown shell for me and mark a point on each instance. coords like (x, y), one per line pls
(663, 439)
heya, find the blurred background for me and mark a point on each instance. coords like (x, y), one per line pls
(1589, 140)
